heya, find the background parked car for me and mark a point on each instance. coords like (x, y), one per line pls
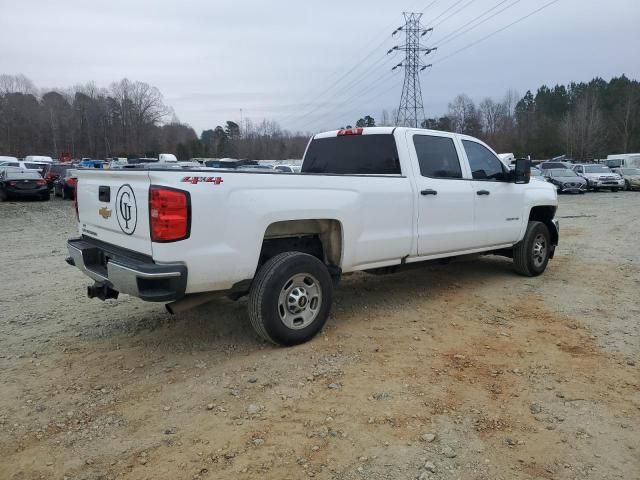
(599, 176)
(65, 185)
(22, 183)
(536, 174)
(553, 164)
(91, 163)
(52, 171)
(285, 168)
(39, 166)
(631, 177)
(566, 180)
(38, 159)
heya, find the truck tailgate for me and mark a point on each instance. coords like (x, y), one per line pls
(113, 206)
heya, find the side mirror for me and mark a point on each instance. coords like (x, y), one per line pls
(522, 171)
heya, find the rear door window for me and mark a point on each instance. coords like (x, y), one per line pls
(353, 155)
(484, 164)
(437, 157)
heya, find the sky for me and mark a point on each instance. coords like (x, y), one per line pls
(313, 65)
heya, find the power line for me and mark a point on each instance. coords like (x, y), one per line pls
(452, 36)
(453, 13)
(447, 10)
(355, 96)
(473, 20)
(495, 32)
(342, 77)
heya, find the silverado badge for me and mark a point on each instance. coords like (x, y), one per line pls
(104, 212)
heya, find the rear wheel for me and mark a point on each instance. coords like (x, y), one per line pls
(290, 298)
(531, 254)
(614, 190)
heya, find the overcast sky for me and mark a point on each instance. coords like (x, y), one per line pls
(285, 60)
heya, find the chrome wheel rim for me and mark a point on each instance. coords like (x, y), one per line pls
(539, 250)
(300, 301)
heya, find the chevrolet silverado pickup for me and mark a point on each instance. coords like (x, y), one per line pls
(371, 199)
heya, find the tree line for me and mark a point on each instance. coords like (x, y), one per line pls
(584, 121)
(130, 118)
(126, 119)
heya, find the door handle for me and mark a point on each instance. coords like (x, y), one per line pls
(428, 191)
(483, 192)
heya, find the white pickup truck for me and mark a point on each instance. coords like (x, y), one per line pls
(369, 199)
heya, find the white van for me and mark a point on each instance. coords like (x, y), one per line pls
(167, 158)
(38, 159)
(629, 160)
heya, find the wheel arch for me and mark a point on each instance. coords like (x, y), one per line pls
(545, 214)
(322, 238)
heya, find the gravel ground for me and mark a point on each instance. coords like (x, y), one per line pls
(459, 371)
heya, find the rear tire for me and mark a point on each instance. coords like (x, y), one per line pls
(531, 254)
(614, 190)
(290, 298)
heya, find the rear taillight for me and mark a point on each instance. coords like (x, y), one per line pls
(350, 131)
(71, 181)
(169, 214)
(41, 183)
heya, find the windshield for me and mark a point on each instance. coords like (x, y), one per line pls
(631, 171)
(596, 169)
(535, 172)
(34, 166)
(563, 173)
(548, 165)
(58, 168)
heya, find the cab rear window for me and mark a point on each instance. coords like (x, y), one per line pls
(353, 155)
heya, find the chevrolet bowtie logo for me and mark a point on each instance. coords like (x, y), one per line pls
(104, 212)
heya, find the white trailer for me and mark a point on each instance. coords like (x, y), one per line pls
(623, 160)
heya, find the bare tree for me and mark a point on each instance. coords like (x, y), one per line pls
(16, 84)
(464, 115)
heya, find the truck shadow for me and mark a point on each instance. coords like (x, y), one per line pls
(223, 324)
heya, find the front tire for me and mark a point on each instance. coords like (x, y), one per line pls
(290, 298)
(531, 254)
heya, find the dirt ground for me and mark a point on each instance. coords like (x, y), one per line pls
(459, 371)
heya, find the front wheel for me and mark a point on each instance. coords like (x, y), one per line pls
(531, 254)
(290, 298)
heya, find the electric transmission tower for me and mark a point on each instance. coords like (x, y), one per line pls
(411, 111)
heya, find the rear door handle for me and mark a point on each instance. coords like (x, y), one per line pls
(483, 192)
(428, 191)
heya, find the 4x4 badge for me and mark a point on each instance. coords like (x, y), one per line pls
(104, 212)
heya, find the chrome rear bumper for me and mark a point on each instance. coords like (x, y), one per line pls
(128, 272)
